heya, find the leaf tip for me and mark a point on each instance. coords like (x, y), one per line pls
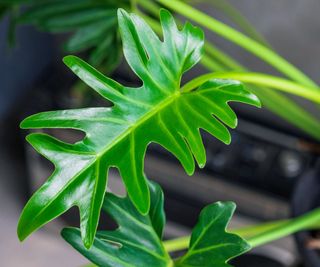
(121, 13)
(201, 165)
(22, 233)
(190, 171)
(144, 207)
(230, 204)
(28, 122)
(64, 232)
(23, 124)
(234, 123)
(257, 101)
(34, 138)
(227, 138)
(164, 12)
(87, 236)
(253, 99)
(87, 243)
(69, 60)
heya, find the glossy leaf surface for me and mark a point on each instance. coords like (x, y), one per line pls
(118, 136)
(100, 41)
(210, 244)
(137, 241)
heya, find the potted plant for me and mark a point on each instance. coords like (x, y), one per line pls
(161, 111)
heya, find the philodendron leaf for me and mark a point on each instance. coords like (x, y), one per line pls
(210, 244)
(137, 241)
(118, 136)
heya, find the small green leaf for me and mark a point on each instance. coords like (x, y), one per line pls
(210, 244)
(137, 241)
(118, 136)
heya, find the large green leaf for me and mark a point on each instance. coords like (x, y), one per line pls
(118, 136)
(210, 244)
(137, 241)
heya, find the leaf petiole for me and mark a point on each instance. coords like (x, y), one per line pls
(240, 39)
(310, 93)
(258, 235)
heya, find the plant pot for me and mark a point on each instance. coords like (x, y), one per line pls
(307, 197)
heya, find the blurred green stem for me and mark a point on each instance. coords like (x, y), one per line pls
(258, 79)
(240, 39)
(241, 21)
(259, 235)
(216, 60)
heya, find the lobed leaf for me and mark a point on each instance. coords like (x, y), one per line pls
(136, 242)
(210, 244)
(138, 239)
(118, 136)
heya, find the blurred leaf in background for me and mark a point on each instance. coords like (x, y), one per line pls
(92, 25)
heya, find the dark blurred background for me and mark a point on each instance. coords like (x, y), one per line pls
(260, 170)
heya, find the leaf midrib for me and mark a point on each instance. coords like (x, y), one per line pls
(149, 228)
(116, 259)
(205, 229)
(146, 227)
(213, 247)
(98, 156)
(140, 247)
(161, 105)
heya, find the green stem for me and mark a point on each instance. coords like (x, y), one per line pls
(234, 15)
(258, 79)
(240, 20)
(240, 39)
(217, 60)
(212, 51)
(246, 232)
(217, 63)
(212, 64)
(177, 244)
(150, 6)
(133, 4)
(261, 234)
(288, 228)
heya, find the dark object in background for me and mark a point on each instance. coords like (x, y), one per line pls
(306, 198)
(252, 260)
(261, 160)
(23, 64)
